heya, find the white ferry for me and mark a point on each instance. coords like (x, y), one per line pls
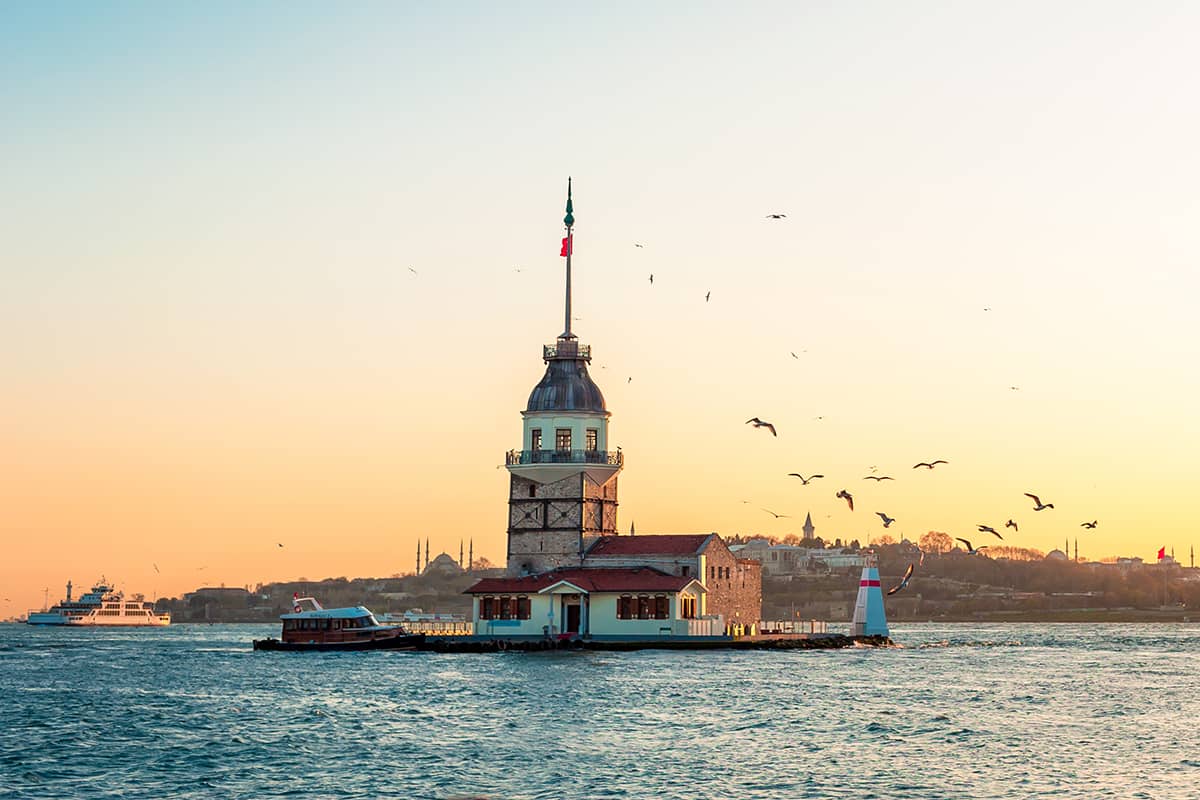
(103, 605)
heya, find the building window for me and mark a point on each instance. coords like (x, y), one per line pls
(625, 607)
(535, 439)
(506, 608)
(644, 607)
(712, 573)
(688, 610)
(523, 608)
(685, 570)
(592, 439)
(662, 607)
(562, 439)
(533, 490)
(485, 608)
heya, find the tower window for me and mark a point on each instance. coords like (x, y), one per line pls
(535, 439)
(533, 490)
(562, 439)
(592, 439)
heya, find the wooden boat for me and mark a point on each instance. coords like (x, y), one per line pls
(323, 629)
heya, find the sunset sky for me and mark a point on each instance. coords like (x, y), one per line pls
(211, 342)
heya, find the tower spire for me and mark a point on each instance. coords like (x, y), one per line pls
(567, 247)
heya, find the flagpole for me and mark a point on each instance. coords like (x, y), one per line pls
(569, 220)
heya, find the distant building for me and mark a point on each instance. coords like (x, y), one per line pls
(1057, 555)
(444, 564)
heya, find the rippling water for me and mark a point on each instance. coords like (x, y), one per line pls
(980, 711)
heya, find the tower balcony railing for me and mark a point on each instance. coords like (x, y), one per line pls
(566, 348)
(518, 457)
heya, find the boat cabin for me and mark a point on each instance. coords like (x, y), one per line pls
(318, 625)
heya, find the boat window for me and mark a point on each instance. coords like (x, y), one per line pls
(289, 624)
(370, 621)
(337, 623)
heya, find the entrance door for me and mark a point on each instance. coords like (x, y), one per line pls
(572, 619)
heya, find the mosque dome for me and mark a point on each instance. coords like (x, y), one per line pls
(566, 386)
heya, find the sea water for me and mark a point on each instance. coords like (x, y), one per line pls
(956, 711)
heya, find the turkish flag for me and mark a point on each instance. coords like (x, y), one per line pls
(566, 246)
(1162, 553)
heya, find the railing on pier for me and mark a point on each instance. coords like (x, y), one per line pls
(800, 626)
(441, 628)
(516, 457)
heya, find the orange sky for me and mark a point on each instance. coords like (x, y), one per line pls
(211, 342)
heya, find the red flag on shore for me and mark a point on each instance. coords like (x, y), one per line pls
(566, 246)
(1162, 553)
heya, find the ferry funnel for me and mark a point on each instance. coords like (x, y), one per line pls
(869, 619)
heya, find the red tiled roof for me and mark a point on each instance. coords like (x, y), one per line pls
(641, 579)
(660, 544)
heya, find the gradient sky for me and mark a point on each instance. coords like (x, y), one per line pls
(210, 341)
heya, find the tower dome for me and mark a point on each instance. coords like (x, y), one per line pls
(566, 386)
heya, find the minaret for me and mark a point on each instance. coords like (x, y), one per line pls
(563, 481)
(426, 553)
(460, 553)
(417, 569)
(471, 556)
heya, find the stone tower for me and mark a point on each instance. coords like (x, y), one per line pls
(563, 481)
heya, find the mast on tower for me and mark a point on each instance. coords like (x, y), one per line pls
(567, 246)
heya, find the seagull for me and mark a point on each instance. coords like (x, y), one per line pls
(903, 581)
(990, 529)
(793, 352)
(971, 550)
(803, 480)
(413, 271)
(1038, 505)
(929, 464)
(776, 216)
(849, 498)
(879, 478)
(651, 278)
(516, 269)
(630, 380)
(887, 521)
(279, 543)
(777, 516)
(1091, 524)
(987, 308)
(156, 569)
(1013, 525)
(636, 244)
(1014, 388)
(758, 423)
(707, 295)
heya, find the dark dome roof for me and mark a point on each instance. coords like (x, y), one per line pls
(566, 386)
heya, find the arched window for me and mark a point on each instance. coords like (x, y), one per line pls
(625, 607)
(644, 611)
(662, 607)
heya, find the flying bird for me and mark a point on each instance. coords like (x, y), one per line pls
(878, 478)
(793, 352)
(970, 550)
(1013, 525)
(156, 569)
(707, 295)
(991, 530)
(777, 516)
(929, 464)
(758, 423)
(887, 521)
(776, 216)
(651, 278)
(804, 480)
(1091, 524)
(1038, 505)
(413, 271)
(903, 581)
(630, 380)
(280, 544)
(849, 498)
(636, 244)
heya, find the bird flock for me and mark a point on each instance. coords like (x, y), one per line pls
(887, 520)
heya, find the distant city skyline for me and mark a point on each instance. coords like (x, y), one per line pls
(282, 276)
